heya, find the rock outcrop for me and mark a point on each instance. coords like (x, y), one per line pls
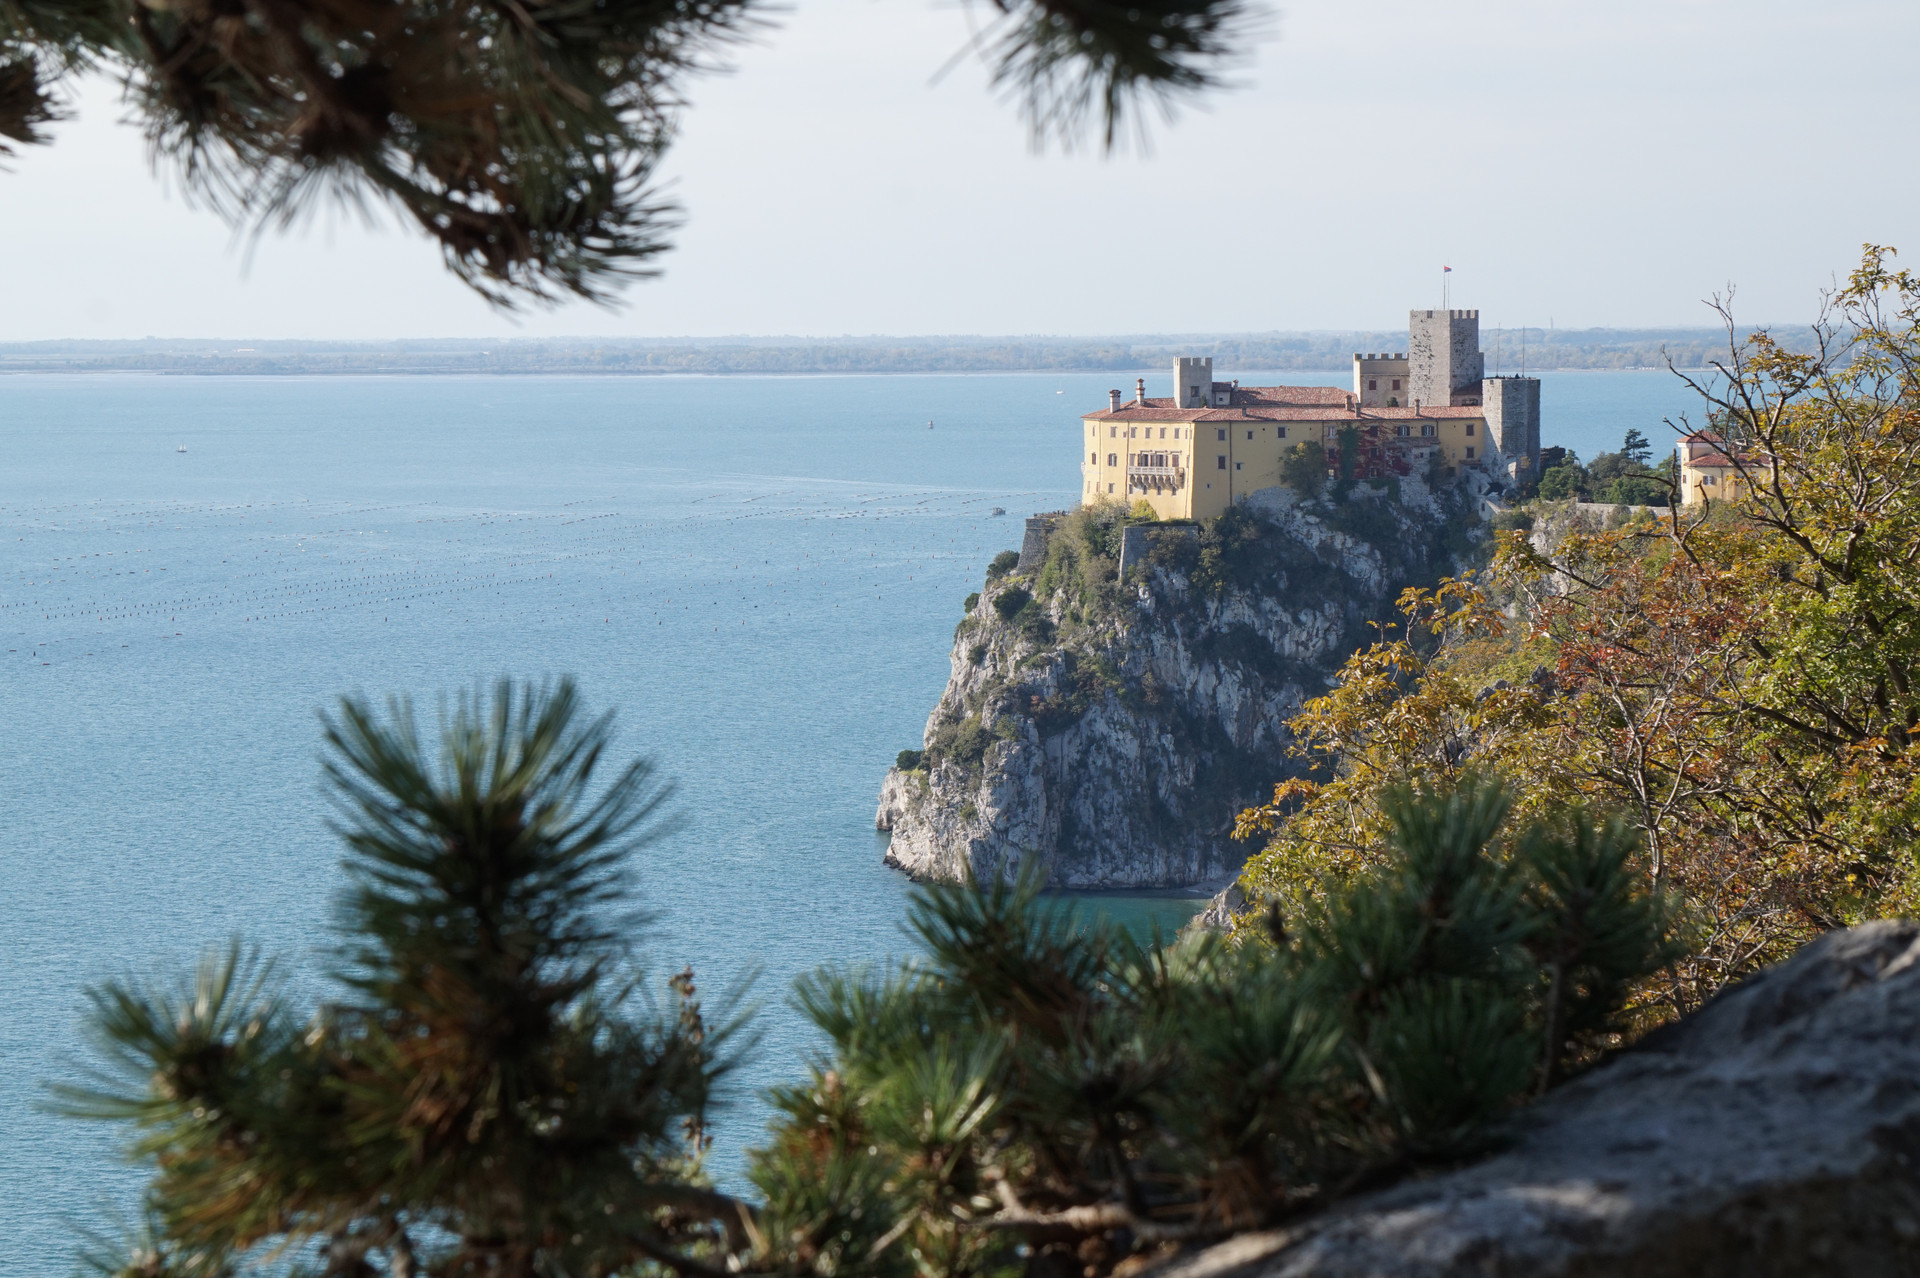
(1113, 728)
(1775, 1133)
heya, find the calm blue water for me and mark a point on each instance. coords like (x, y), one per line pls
(761, 575)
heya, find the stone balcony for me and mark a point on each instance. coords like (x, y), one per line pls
(1155, 478)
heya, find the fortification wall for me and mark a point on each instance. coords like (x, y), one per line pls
(1513, 419)
(1381, 380)
(1033, 546)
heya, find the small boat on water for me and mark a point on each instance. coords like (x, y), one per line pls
(999, 510)
(929, 425)
(181, 449)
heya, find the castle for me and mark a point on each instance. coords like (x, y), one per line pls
(1193, 454)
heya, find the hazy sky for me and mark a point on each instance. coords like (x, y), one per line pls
(1596, 164)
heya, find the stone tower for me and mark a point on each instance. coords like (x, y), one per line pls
(1513, 421)
(1444, 365)
(1193, 382)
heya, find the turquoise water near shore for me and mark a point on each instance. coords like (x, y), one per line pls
(761, 575)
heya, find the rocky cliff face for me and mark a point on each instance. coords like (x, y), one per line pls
(1112, 726)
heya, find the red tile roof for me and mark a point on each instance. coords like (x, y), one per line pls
(1291, 395)
(1720, 461)
(1278, 404)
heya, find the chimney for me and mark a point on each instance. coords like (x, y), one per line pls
(1140, 391)
(1113, 401)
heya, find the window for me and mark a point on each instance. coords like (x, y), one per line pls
(1283, 432)
(1223, 463)
(1469, 429)
(1469, 452)
(1193, 392)
(1223, 437)
(1373, 384)
(1249, 434)
(1093, 459)
(1113, 432)
(1238, 465)
(1113, 459)
(1426, 428)
(1176, 432)
(1109, 487)
(1133, 432)
(1401, 430)
(1396, 383)
(1163, 432)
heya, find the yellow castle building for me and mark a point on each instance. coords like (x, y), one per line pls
(1707, 471)
(1192, 454)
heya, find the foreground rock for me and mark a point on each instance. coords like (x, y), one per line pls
(1113, 726)
(1776, 1133)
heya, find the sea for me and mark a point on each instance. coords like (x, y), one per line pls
(760, 577)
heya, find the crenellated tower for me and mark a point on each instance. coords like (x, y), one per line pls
(1444, 364)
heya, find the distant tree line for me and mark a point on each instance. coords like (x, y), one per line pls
(1232, 355)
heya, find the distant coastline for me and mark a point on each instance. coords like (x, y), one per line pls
(1544, 351)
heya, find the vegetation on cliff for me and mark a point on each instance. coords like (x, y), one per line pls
(1740, 682)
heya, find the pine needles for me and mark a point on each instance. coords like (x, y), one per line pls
(489, 1093)
(523, 136)
(1042, 1094)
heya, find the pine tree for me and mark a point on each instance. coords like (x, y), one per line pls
(522, 136)
(1041, 1093)
(489, 1090)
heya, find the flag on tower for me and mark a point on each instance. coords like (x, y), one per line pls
(1446, 270)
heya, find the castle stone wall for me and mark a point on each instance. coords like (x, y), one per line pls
(1380, 381)
(1513, 419)
(1444, 365)
(1033, 546)
(1192, 381)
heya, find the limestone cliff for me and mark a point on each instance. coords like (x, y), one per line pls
(1110, 712)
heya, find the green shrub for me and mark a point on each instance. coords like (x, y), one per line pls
(909, 760)
(1636, 490)
(1082, 556)
(972, 602)
(1008, 603)
(1003, 563)
(1513, 521)
(1226, 553)
(1055, 1058)
(1560, 483)
(1304, 469)
(977, 653)
(964, 743)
